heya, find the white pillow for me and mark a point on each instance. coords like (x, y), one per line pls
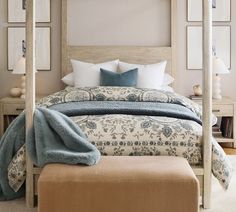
(69, 79)
(167, 88)
(88, 74)
(168, 80)
(149, 76)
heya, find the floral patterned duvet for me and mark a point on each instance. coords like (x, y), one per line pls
(125, 134)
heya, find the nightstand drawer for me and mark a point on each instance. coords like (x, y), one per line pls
(13, 109)
(223, 110)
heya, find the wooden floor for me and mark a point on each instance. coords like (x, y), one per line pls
(230, 151)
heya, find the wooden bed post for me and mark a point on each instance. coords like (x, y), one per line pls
(207, 99)
(30, 92)
(64, 47)
(174, 26)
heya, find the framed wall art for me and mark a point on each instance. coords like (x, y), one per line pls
(16, 44)
(16, 11)
(221, 45)
(221, 10)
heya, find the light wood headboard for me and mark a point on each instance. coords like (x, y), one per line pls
(131, 54)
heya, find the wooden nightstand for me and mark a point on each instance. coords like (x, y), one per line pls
(225, 107)
(10, 108)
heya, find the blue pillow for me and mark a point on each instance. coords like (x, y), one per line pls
(126, 79)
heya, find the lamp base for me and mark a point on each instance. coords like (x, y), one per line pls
(23, 87)
(219, 97)
(216, 87)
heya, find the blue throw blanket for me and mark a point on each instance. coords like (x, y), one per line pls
(55, 138)
(129, 108)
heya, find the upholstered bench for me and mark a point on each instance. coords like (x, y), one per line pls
(120, 184)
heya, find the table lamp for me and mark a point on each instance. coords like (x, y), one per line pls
(19, 68)
(218, 68)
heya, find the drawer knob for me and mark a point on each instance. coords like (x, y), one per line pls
(215, 111)
(19, 109)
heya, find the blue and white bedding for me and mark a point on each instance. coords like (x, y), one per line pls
(126, 133)
(133, 121)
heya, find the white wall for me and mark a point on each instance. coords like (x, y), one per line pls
(123, 22)
(187, 78)
(48, 82)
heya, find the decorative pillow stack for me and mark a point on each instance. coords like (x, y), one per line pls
(117, 73)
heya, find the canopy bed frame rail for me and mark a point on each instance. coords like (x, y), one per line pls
(130, 54)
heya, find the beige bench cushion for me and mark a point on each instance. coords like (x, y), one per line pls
(120, 184)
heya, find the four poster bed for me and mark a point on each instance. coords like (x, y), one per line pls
(138, 54)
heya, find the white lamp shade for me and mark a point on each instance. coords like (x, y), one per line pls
(19, 68)
(218, 66)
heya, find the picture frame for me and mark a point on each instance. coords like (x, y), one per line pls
(221, 45)
(221, 10)
(16, 42)
(17, 11)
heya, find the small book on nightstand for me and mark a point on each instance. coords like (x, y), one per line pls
(227, 127)
(216, 130)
